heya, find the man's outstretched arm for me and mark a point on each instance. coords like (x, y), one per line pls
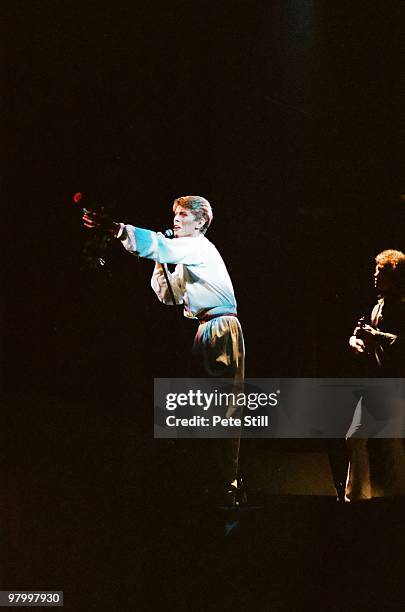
(146, 243)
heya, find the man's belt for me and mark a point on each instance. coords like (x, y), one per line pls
(208, 317)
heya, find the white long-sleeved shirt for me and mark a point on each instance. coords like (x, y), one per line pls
(200, 280)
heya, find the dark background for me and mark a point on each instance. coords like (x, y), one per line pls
(285, 115)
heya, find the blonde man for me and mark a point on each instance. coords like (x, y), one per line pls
(200, 283)
(381, 345)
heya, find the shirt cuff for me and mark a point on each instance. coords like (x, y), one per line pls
(122, 232)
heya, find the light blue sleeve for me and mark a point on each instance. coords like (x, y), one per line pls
(155, 246)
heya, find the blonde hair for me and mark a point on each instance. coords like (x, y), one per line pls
(391, 258)
(199, 206)
(396, 261)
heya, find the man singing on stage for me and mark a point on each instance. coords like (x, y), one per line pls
(200, 282)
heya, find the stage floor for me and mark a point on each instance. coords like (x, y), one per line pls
(88, 508)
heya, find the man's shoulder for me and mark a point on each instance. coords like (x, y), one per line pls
(207, 242)
(210, 247)
(200, 242)
(394, 313)
(398, 304)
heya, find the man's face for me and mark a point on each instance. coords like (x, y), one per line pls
(383, 278)
(185, 223)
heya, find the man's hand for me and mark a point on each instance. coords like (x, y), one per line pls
(366, 332)
(91, 220)
(357, 344)
(100, 222)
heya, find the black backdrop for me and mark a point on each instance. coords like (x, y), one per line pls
(284, 115)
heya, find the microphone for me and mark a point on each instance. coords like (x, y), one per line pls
(169, 233)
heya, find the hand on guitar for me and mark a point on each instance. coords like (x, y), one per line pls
(363, 336)
(357, 344)
(367, 332)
